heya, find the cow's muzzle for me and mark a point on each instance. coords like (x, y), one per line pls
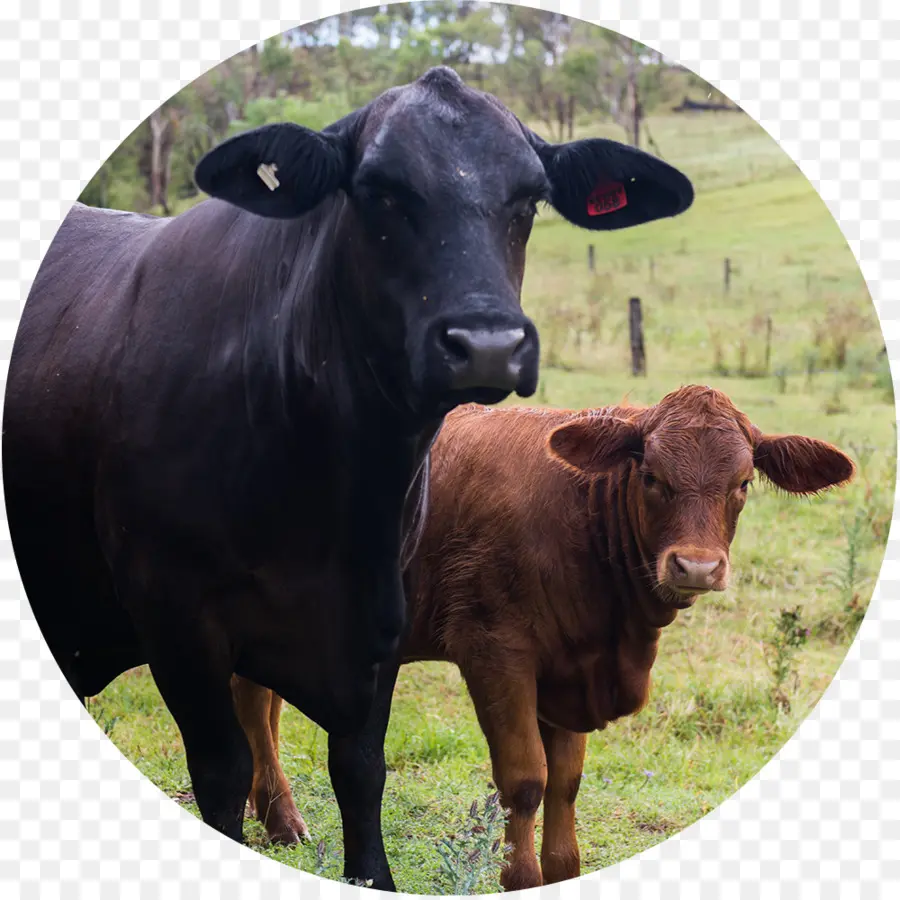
(481, 358)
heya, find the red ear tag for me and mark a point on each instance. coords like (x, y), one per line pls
(606, 197)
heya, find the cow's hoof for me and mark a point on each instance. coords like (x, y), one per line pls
(380, 882)
(560, 866)
(521, 874)
(287, 830)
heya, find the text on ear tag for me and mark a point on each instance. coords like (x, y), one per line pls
(606, 197)
(266, 172)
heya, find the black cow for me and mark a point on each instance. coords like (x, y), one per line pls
(217, 425)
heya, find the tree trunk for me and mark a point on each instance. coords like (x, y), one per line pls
(547, 112)
(636, 124)
(157, 127)
(252, 77)
(161, 140)
(167, 147)
(571, 117)
(634, 103)
(636, 330)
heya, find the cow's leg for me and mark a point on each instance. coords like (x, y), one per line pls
(357, 769)
(560, 858)
(191, 661)
(259, 711)
(506, 704)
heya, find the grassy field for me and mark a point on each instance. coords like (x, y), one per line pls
(716, 713)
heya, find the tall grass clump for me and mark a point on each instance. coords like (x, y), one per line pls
(850, 575)
(474, 856)
(788, 635)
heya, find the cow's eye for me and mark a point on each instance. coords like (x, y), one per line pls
(649, 480)
(393, 206)
(381, 196)
(745, 485)
(525, 213)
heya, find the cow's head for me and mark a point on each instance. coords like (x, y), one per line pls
(689, 462)
(442, 184)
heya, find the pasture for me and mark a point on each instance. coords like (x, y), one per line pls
(717, 713)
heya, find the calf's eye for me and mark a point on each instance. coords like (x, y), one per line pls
(649, 480)
(745, 485)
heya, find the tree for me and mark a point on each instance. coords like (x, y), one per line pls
(536, 43)
(545, 67)
(615, 75)
(163, 123)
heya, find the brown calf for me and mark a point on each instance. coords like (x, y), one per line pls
(557, 546)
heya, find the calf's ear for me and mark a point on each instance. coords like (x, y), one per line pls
(603, 185)
(801, 465)
(595, 444)
(279, 171)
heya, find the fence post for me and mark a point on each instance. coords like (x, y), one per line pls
(727, 282)
(590, 257)
(768, 342)
(636, 328)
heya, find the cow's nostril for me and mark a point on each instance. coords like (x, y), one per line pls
(456, 343)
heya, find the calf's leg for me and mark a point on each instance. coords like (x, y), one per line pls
(259, 712)
(357, 768)
(506, 705)
(560, 857)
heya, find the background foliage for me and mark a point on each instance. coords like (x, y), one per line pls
(548, 68)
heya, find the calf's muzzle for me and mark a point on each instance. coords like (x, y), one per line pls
(695, 571)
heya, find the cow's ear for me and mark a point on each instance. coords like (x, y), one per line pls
(595, 444)
(603, 185)
(279, 171)
(801, 465)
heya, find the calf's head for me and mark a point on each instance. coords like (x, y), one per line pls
(688, 464)
(439, 186)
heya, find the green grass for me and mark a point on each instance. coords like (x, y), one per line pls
(711, 723)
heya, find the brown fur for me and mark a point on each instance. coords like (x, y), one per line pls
(553, 554)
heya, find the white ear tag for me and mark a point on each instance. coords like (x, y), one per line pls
(266, 172)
